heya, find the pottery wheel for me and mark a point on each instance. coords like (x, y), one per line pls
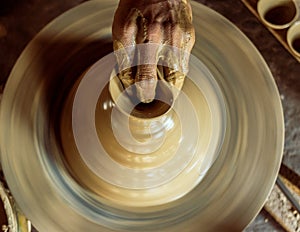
(75, 158)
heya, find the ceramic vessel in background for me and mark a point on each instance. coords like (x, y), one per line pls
(293, 38)
(278, 14)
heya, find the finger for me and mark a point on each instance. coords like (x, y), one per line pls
(124, 33)
(122, 55)
(175, 79)
(176, 56)
(124, 28)
(146, 76)
(186, 26)
(188, 39)
(173, 64)
(175, 68)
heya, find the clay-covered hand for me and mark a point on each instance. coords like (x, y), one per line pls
(165, 28)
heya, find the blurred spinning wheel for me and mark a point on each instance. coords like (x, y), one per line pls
(233, 100)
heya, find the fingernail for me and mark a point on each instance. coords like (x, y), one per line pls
(146, 90)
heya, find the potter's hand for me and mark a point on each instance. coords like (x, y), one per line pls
(153, 22)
